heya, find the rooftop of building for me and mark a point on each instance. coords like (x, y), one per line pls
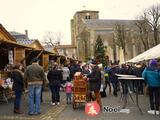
(14, 33)
(106, 23)
(86, 11)
(25, 41)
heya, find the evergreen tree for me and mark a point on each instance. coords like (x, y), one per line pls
(99, 51)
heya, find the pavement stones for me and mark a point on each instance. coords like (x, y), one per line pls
(49, 112)
(53, 112)
(66, 112)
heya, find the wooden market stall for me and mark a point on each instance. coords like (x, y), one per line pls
(8, 56)
(40, 53)
(37, 51)
(9, 49)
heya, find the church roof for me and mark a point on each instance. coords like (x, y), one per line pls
(65, 46)
(106, 23)
(85, 11)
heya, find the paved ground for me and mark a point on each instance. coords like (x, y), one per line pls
(48, 111)
(111, 101)
(65, 112)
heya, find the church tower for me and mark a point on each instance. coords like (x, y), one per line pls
(77, 23)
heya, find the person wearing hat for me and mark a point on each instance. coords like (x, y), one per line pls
(34, 78)
(95, 83)
(151, 75)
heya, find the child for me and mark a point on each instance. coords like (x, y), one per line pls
(68, 88)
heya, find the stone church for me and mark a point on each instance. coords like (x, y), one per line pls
(86, 27)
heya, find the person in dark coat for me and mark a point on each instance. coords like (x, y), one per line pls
(95, 83)
(18, 86)
(55, 76)
(124, 71)
(138, 71)
(75, 67)
(85, 70)
(131, 71)
(113, 78)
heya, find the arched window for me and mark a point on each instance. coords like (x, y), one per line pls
(87, 16)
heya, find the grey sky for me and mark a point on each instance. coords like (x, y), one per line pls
(40, 16)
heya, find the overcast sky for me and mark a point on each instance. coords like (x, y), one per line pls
(40, 16)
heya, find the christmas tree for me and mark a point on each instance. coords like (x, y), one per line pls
(99, 51)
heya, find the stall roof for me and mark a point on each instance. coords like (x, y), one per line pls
(12, 44)
(44, 51)
(7, 35)
(149, 54)
(30, 42)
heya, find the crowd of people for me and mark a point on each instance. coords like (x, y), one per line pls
(99, 78)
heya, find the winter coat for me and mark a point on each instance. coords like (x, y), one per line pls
(18, 80)
(68, 87)
(34, 75)
(73, 69)
(95, 79)
(139, 71)
(66, 73)
(151, 76)
(54, 76)
(112, 77)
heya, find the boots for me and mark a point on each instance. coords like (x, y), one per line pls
(17, 111)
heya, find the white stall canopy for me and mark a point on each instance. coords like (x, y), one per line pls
(149, 54)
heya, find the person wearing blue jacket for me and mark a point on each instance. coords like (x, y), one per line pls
(151, 75)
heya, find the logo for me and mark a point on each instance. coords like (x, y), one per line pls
(92, 108)
(107, 109)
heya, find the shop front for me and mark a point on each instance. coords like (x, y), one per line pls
(8, 53)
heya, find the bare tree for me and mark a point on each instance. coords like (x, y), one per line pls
(52, 39)
(58, 37)
(143, 32)
(152, 16)
(123, 37)
(120, 39)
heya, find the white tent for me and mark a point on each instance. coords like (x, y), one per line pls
(149, 54)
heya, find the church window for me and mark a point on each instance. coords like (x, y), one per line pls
(87, 17)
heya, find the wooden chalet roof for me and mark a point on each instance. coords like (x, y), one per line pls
(7, 40)
(5, 35)
(32, 43)
(12, 44)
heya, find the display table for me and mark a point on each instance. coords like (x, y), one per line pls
(126, 80)
(4, 74)
(122, 75)
(5, 91)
